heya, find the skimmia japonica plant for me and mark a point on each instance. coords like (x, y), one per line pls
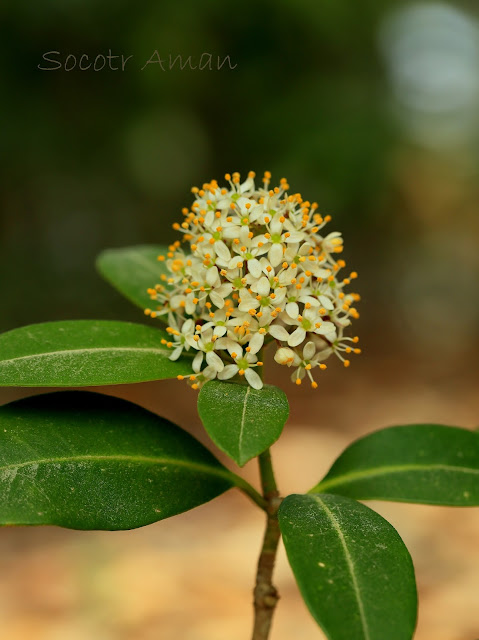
(255, 266)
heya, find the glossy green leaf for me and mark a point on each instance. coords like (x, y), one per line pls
(426, 463)
(84, 353)
(242, 421)
(133, 270)
(86, 461)
(352, 568)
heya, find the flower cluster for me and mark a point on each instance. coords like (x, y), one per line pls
(256, 269)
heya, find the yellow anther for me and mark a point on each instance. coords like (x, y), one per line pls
(298, 381)
(314, 384)
(346, 363)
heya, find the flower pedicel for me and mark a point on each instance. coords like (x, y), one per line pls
(257, 270)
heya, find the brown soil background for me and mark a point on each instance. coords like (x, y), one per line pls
(190, 577)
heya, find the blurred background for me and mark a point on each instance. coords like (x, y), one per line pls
(371, 109)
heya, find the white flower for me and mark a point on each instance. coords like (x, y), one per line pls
(254, 270)
(243, 365)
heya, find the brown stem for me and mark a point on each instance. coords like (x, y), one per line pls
(265, 593)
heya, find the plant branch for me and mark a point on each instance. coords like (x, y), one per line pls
(251, 492)
(265, 593)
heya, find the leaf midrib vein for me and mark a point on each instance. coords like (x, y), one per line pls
(224, 473)
(84, 351)
(350, 563)
(243, 420)
(379, 471)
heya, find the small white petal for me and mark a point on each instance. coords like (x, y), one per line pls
(220, 330)
(253, 379)
(295, 237)
(254, 267)
(188, 327)
(228, 372)
(225, 289)
(256, 342)
(280, 295)
(276, 226)
(326, 302)
(309, 350)
(222, 252)
(212, 275)
(233, 262)
(255, 212)
(189, 340)
(198, 361)
(278, 332)
(292, 310)
(247, 303)
(215, 361)
(209, 373)
(217, 299)
(297, 337)
(190, 306)
(263, 286)
(312, 301)
(275, 254)
(243, 235)
(176, 353)
(209, 218)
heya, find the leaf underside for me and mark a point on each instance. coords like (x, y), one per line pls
(431, 464)
(133, 270)
(242, 421)
(87, 461)
(85, 353)
(352, 568)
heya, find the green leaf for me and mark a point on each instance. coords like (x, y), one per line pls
(84, 353)
(427, 463)
(242, 421)
(86, 461)
(133, 270)
(352, 568)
